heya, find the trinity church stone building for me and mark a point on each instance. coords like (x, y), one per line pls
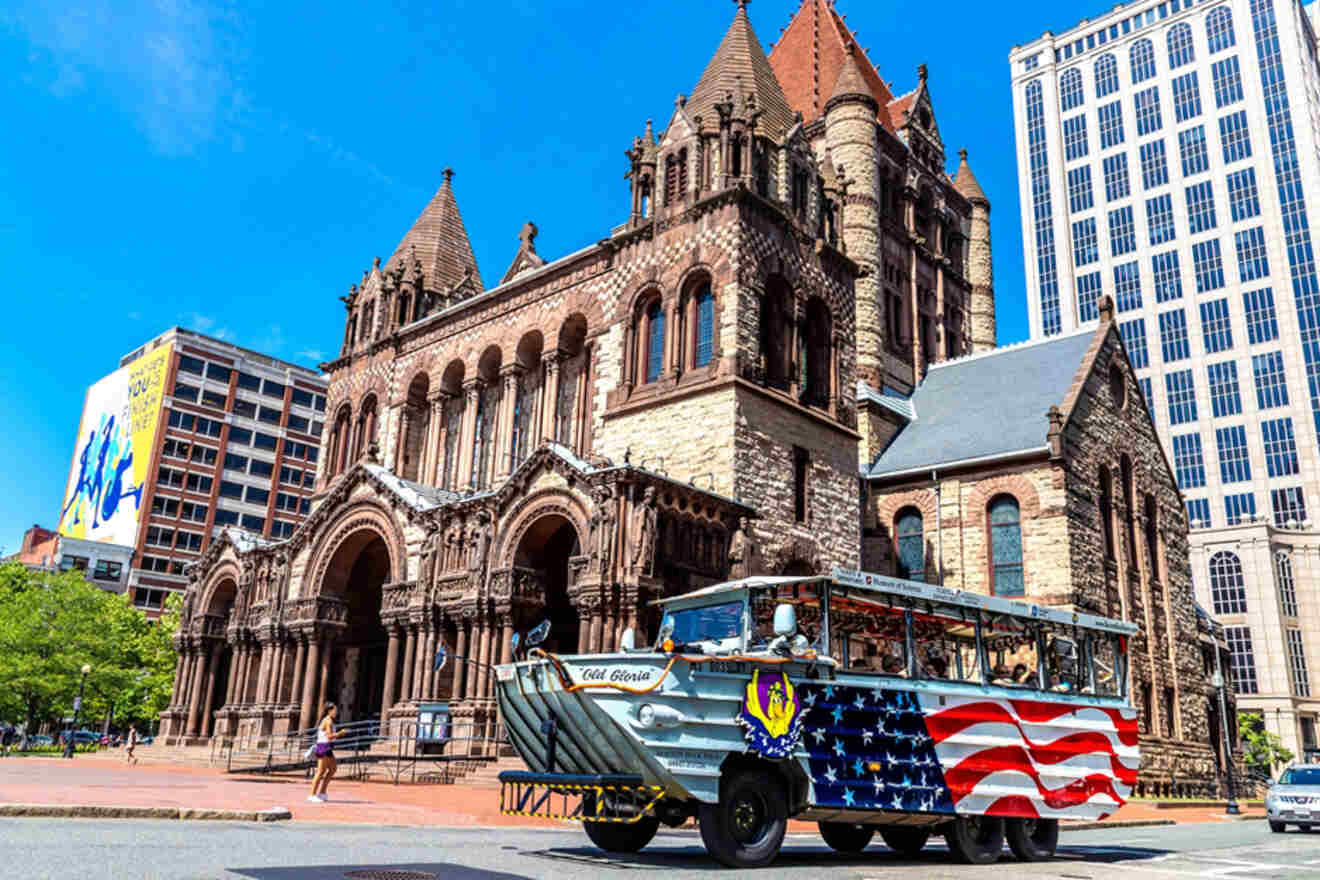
(702, 394)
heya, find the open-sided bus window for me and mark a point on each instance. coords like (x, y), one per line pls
(868, 635)
(1110, 671)
(1012, 652)
(945, 644)
(1065, 663)
(806, 601)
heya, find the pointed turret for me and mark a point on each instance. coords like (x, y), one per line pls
(740, 68)
(440, 242)
(851, 86)
(980, 265)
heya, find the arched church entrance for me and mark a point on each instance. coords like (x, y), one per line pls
(218, 607)
(543, 556)
(357, 575)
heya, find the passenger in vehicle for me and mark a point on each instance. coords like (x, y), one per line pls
(1022, 675)
(937, 667)
(1002, 676)
(891, 665)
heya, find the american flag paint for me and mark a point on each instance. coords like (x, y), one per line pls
(882, 749)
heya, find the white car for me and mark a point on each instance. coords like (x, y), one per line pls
(1295, 798)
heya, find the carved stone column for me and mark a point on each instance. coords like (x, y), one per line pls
(213, 667)
(428, 686)
(550, 395)
(401, 441)
(506, 640)
(180, 662)
(391, 672)
(503, 440)
(299, 662)
(323, 690)
(263, 673)
(483, 659)
(472, 397)
(419, 668)
(435, 440)
(195, 694)
(305, 719)
(459, 681)
(409, 657)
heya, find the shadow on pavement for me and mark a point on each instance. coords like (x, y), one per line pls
(417, 871)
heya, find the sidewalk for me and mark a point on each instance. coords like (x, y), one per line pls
(107, 782)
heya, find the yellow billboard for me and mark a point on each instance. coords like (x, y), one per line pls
(103, 497)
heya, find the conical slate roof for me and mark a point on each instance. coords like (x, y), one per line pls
(965, 181)
(440, 242)
(850, 82)
(809, 59)
(740, 66)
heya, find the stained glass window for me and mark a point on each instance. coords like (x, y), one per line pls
(911, 539)
(705, 326)
(1006, 546)
(655, 343)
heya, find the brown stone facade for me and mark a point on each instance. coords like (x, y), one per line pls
(1135, 568)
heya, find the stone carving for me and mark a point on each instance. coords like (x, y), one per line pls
(429, 556)
(453, 551)
(742, 551)
(279, 581)
(643, 534)
(601, 525)
(348, 689)
(478, 548)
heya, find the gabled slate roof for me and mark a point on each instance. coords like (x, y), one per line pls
(439, 240)
(740, 67)
(984, 405)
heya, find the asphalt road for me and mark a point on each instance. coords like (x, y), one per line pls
(74, 848)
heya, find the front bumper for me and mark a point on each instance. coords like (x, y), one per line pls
(579, 797)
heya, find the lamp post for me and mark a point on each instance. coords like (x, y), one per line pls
(1230, 808)
(77, 706)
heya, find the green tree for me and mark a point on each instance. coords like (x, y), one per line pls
(1262, 751)
(51, 624)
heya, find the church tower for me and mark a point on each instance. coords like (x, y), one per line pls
(980, 267)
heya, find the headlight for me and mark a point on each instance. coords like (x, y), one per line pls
(646, 715)
(653, 716)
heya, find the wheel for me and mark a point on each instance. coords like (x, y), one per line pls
(622, 837)
(904, 839)
(1032, 840)
(1278, 827)
(746, 828)
(975, 840)
(846, 838)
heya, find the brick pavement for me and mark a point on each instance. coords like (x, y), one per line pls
(107, 781)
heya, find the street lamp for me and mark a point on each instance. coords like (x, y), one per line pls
(77, 706)
(1217, 680)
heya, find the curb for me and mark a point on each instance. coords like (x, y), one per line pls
(1121, 823)
(99, 811)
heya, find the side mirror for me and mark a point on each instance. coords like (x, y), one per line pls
(628, 641)
(785, 620)
(538, 634)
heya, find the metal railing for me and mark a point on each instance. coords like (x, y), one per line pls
(362, 749)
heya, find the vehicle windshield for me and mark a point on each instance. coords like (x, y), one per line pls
(707, 623)
(1300, 776)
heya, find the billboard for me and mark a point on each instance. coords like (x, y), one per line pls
(110, 460)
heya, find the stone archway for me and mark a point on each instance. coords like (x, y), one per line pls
(356, 574)
(542, 556)
(219, 604)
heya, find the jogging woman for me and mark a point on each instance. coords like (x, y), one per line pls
(325, 753)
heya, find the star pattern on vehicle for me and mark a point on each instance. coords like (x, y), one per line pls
(869, 749)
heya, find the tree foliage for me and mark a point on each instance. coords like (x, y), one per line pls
(52, 623)
(1262, 751)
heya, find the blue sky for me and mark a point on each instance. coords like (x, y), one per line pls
(234, 170)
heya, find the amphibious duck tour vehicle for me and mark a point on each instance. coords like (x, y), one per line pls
(861, 702)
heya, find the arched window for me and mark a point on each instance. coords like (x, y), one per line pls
(655, 341)
(1005, 547)
(340, 441)
(910, 538)
(1107, 511)
(703, 326)
(1129, 510)
(366, 427)
(816, 358)
(1180, 45)
(1142, 60)
(1106, 75)
(1070, 89)
(736, 160)
(1219, 29)
(1228, 594)
(1152, 537)
(774, 332)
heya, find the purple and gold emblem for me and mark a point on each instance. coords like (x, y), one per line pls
(771, 715)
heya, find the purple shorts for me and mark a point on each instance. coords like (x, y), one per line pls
(324, 749)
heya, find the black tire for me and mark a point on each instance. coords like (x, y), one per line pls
(622, 837)
(975, 840)
(845, 837)
(746, 828)
(1032, 840)
(905, 840)
(1278, 827)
